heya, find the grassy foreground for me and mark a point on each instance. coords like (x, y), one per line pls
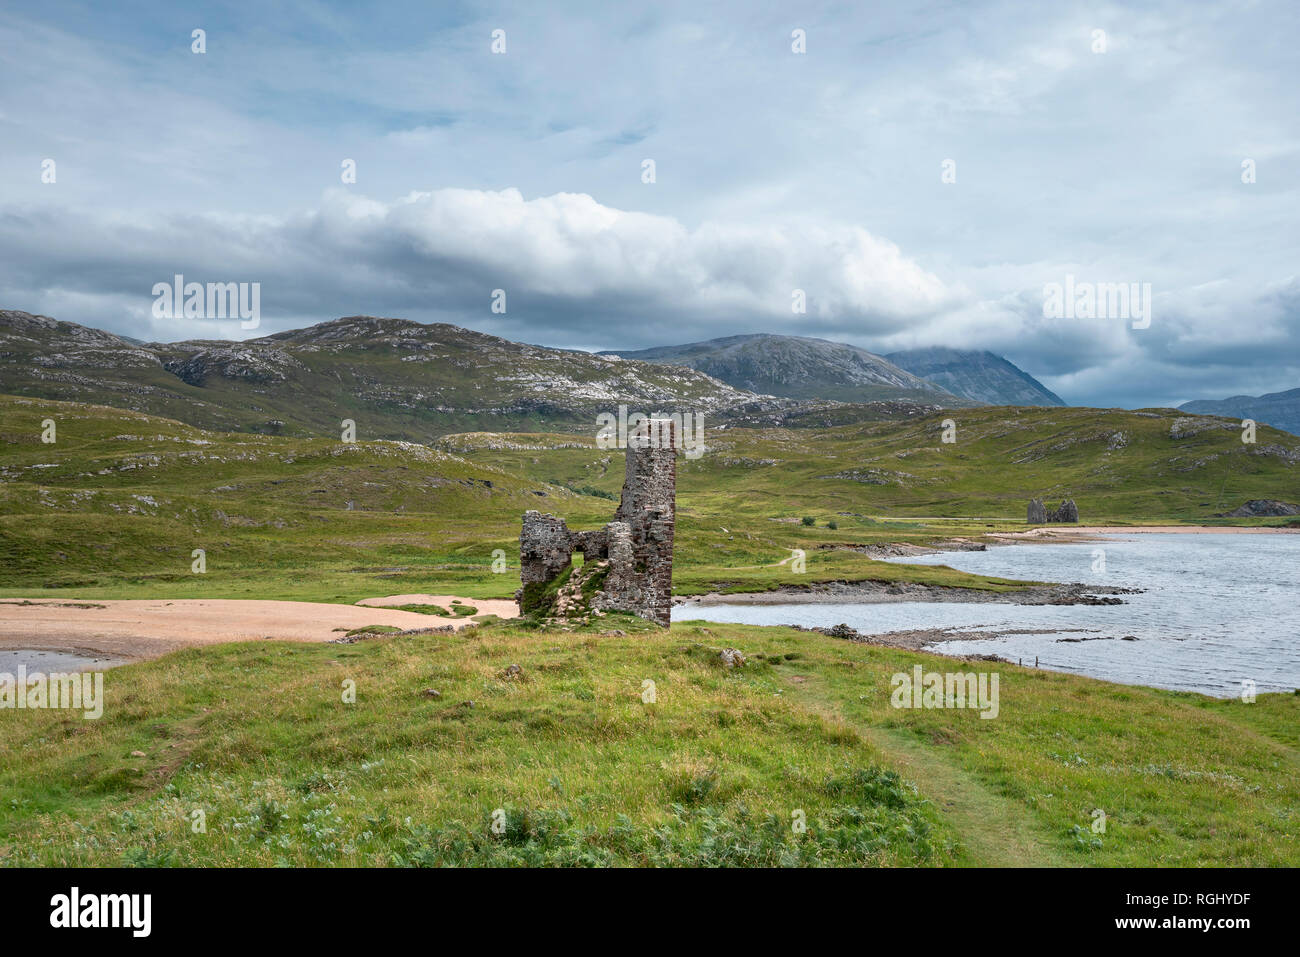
(565, 763)
(573, 767)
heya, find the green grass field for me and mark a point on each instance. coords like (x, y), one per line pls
(117, 505)
(566, 761)
(258, 738)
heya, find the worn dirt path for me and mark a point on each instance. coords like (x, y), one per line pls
(995, 830)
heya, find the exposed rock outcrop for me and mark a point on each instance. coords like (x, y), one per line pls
(1261, 508)
(733, 657)
(1185, 428)
(259, 365)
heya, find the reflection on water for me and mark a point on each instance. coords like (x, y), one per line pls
(1217, 610)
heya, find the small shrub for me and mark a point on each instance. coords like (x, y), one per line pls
(692, 784)
(809, 521)
(592, 491)
(1084, 840)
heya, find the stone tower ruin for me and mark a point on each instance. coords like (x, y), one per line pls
(628, 564)
(1040, 514)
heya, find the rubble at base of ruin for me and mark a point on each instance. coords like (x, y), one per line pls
(1040, 515)
(628, 564)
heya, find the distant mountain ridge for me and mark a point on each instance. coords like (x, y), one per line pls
(801, 368)
(400, 379)
(1278, 409)
(395, 378)
(980, 375)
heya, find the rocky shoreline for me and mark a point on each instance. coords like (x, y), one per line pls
(1053, 535)
(882, 592)
(924, 639)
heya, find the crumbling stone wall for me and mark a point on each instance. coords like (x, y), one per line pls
(1068, 512)
(545, 551)
(1040, 515)
(628, 564)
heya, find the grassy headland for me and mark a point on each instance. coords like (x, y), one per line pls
(258, 738)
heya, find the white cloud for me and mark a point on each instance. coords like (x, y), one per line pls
(570, 245)
(776, 171)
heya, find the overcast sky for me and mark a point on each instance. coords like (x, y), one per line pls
(774, 171)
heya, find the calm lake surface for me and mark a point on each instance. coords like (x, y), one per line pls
(1217, 610)
(45, 662)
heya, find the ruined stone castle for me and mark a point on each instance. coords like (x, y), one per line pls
(1040, 515)
(628, 564)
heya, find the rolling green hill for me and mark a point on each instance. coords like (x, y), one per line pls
(118, 503)
(1147, 466)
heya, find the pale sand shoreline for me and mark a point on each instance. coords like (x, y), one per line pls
(1086, 532)
(139, 629)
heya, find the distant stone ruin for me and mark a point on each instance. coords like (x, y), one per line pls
(628, 564)
(1039, 515)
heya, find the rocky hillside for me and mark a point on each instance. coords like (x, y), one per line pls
(977, 375)
(1278, 409)
(394, 378)
(1146, 466)
(802, 368)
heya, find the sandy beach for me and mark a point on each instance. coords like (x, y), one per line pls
(137, 629)
(1088, 533)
